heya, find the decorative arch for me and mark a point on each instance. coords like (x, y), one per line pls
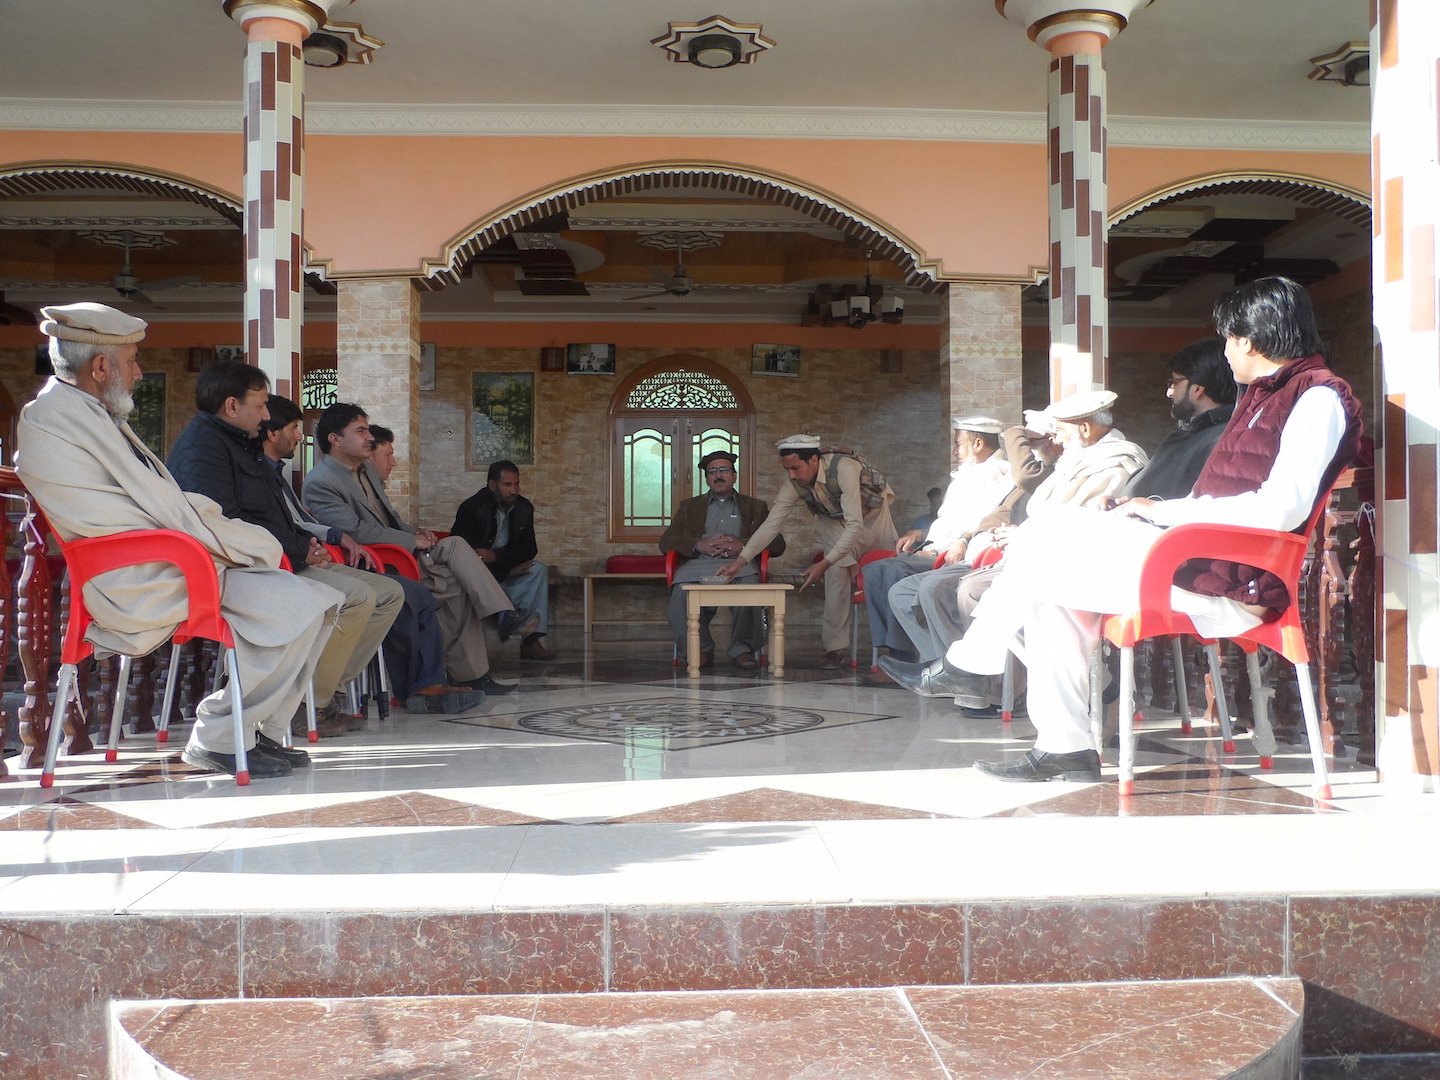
(663, 418)
(828, 209)
(1344, 202)
(33, 178)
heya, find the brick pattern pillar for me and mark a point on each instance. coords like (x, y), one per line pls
(982, 350)
(1079, 313)
(378, 356)
(1405, 83)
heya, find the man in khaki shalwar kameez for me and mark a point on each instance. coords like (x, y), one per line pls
(853, 515)
(93, 476)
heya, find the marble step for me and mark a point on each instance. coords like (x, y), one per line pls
(1246, 1029)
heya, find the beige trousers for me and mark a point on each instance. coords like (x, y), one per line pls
(879, 532)
(372, 601)
(467, 592)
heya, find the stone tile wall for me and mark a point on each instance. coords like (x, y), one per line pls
(982, 350)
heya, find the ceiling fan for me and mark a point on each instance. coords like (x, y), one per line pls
(131, 287)
(678, 284)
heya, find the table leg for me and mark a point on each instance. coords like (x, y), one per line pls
(692, 634)
(589, 598)
(777, 644)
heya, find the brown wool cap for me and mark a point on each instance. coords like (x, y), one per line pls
(94, 324)
(713, 455)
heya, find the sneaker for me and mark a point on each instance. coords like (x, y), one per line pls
(490, 686)
(512, 622)
(835, 660)
(444, 699)
(298, 759)
(260, 764)
(336, 709)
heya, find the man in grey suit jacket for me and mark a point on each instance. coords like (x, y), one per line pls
(344, 490)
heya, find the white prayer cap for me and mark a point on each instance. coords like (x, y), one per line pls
(982, 425)
(94, 324)
(798, 442)
(1077, 407)
(1039, 421)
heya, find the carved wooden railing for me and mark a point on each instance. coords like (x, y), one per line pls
(34, 625)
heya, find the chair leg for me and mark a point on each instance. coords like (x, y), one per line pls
(1312, 730)
(1222, 707)
(117, 711)
(1097, 703)
(162, 731)
(382, 697)
(242, 765)
(1127, 721)
(1007, 690)
(1263, 735)
(854, 635)
(1182, 695)
(64, 688)
(312, 733)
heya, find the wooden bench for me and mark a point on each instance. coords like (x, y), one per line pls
(623, 568)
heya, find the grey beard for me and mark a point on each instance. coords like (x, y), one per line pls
(118, 403)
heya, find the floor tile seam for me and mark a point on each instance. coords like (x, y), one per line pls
(903, 997)
(130, 906)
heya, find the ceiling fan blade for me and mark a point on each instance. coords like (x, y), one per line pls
(648, 295)
(174, 282)
(663, 278)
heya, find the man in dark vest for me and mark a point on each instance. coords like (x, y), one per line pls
(1296, 426)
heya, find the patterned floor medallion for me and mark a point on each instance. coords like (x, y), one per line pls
(668, 724)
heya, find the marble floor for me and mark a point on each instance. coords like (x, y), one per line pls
(610, 778)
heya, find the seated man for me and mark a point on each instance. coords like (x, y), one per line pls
(926, 605)
(707, 532)
(851, 503)
(414, 652)
(344, 490)
(93, 477)
(979, 481)
(934, 497)
(499, 523)
(218, 455)
(1296, 427)
(1096, 461)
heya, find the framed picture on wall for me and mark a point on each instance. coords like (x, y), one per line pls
(427, 365)
(775, 360)
(589, 360)
(552, 358)
(502, 418)
(229, 352)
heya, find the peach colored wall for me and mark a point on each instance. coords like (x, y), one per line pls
(968, 208)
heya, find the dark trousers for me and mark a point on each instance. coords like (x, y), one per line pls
(414, 652)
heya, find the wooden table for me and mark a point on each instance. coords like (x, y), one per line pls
(769, 595)
(591, 621)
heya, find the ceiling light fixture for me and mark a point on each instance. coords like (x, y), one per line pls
(1349, 65)
(323, 51)
(855, 306)
(713, 43)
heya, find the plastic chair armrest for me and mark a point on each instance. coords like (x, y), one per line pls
(1279, 552)
(672, 561)
(394, 557)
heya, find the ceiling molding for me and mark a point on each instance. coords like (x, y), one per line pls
(322, 118)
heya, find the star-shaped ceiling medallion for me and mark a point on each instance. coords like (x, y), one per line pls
(716, 42)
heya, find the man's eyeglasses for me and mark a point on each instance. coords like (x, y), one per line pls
(719, 470)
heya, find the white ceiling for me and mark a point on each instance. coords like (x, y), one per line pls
(1238, 59)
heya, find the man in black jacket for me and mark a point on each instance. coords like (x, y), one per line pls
(499, 523)
(218, 456)
(1202, 397)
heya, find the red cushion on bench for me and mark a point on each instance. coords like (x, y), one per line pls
(635, 564)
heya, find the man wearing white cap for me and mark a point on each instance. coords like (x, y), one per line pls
(851, 504)
(1096, 461)
(93, 477)
(980, 480)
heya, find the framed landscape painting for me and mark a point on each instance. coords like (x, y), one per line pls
(502, 418)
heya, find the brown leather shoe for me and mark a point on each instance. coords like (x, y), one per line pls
(327, 726)
(707, 658)
(745, 660)
(835, 660)
(336, 709)
(535, 650)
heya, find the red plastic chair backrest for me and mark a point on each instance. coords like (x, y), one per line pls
(394, 557)
(874, 555)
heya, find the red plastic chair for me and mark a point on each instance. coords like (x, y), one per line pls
(1283, 554)
(394, 557)
(857, 599)
(361, 686)
(93, 556)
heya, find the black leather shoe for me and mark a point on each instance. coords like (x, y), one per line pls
(261, 765)
(490, 686)
(1082, 767)
(935, 679)
(298, 759)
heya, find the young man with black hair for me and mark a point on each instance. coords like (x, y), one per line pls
(499, 523)
(1296, 426)
(344, 490)
(218, 455)
(414, 651)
